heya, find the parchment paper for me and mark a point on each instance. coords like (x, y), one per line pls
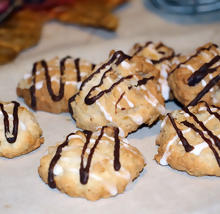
(159, 189)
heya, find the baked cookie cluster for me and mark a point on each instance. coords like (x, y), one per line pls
(109, 101)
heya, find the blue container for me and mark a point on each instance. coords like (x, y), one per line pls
(187, 6)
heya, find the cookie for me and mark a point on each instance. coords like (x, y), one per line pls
(198, 77)
(190, 140)
(20, 132)
(52, 83)
(91, 165)
(161, 57)
(121, 92)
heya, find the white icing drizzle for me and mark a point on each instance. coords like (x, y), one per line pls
(163, 70)
(163, 122)
(83, 74)
(75, 136)
(165, 89)
(203, 83)
(138, 119)
(106, 114)
(55, 79)
(125, 65)
(39, 85)
(27, 76)
(197, 148)
(175, 61)
(131, 105)
(163, 160)
(112, 189)
(123, 173)
(23, 127)
(74, 83)
(58, 170)
(148, 60)
(188, 67)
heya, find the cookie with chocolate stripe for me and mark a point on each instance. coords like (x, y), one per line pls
(198, 77)
(121, 92)
(20, 132)
(92, 165)
(189, 140)
(161, 57)
(51, 83)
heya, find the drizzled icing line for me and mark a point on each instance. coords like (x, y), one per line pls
(15, 122)
(191, 126)
(37, 85)
(194, 55)
(84, 170)
(157, 47)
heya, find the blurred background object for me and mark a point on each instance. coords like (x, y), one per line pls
(187, 6)
(186, 11)
(21, 21)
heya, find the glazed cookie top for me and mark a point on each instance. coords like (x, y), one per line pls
(123, 90)
(100, 164)
(20, 132)
(56, 79)
(191, 136)
(161, 57)
(198, 76)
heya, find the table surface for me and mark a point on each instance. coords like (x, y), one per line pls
(158, 189)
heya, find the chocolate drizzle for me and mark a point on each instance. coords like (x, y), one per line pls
(208, 141)
(15, 122)
(205, 90)
(50, 180)
(119, 99)
(201, 124)
(204, 70)
(117, 164)
(169, 57)
(140, 48)
(194, 55)
(144, 81)
(78, 77)
(184, 141)
(53, 96)
(201, 131)
(212, 112)
(116, 58)
(84, 170)
(90, 100)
